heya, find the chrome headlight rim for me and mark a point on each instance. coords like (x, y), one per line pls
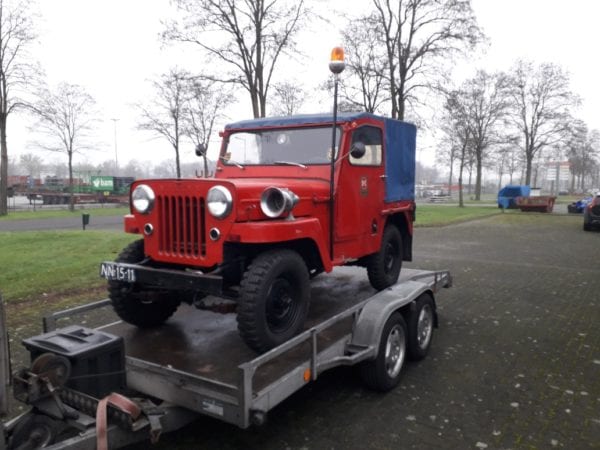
(143, 198)
(221, 207)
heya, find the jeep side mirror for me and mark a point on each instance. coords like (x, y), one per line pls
(358, 150)
(200, 150)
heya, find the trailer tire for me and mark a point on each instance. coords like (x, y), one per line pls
(144, 308)
(34, 431)
(383, 373)
(384, 266)
(420, 327)
(274, 299)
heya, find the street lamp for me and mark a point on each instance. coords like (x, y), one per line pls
(115, 138)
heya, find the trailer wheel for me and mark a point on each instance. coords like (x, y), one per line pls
(384, 266)
(141, 307)
(34, 431)
(274, 298)
(420, 327)
(383, 373)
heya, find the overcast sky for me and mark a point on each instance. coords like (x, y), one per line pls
(112, 48)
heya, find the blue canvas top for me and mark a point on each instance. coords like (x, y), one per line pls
(300, 119)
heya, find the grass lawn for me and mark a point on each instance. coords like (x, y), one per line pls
(438, 215)
(42, 263)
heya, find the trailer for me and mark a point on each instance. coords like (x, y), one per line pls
(540, 203)
(143, 383)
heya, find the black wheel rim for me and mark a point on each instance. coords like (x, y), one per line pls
(389, 257)
(281, 306)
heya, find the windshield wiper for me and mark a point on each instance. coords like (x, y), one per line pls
(232, 163)
(290, 163)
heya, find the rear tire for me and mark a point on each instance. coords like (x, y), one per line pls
(144, 308)
(384, 266)
(275, 294)
(383, 373)
(420, 327)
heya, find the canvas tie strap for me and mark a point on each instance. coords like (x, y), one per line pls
(118, 401)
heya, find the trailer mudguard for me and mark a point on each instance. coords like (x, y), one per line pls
(376, 312)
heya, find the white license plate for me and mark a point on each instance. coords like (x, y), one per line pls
(117, 272)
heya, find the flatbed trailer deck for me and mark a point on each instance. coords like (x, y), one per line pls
(196, 363)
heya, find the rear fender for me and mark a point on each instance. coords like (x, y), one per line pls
(378, 310)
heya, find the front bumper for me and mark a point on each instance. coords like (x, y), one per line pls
(169, 279)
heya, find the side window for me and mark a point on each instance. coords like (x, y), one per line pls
(372, 138)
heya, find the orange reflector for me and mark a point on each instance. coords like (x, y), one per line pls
(337, 54)
(307, 375)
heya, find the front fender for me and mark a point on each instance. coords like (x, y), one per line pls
(277, 231)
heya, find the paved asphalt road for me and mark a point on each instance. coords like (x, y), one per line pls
(64, 223)
(515, 363)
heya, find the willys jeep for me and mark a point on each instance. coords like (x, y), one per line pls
(290, 199)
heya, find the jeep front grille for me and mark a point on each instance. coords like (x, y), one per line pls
(182, 229)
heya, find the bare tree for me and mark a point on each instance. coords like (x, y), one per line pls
(16, 34)
(163, 116)
(202, 107)
(248, 36)
(288, 98)
(31, 164)
(582, 147)
(541, 99)
(366, 87)
(458, 129)
(65, 119)
(486, 108)
(417, 35)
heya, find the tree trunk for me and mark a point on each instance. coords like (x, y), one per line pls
(71, 193)
(529, 158)
(3, 167)
(478, 176)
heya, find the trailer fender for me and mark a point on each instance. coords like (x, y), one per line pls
(376, 312)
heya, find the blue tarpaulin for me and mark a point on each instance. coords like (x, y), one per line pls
(508, 194)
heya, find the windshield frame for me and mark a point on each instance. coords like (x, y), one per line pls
(271, 149)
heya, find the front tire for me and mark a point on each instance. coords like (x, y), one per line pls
(144, 308)
(273, 304)
(384, 266)
(383, 373)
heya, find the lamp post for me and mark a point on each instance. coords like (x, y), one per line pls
(115, 139)
(336, 66)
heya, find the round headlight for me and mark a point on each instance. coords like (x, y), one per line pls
(142, 199)
(219, 201)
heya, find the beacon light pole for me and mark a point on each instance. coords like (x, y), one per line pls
(336, 66)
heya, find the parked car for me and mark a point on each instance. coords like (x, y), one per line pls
(591, 214)
(578, 206)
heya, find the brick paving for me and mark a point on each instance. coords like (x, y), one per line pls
(515, 363)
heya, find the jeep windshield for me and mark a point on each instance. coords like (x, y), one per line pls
(284, 146)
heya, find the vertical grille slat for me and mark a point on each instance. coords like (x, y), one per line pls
(182, 226)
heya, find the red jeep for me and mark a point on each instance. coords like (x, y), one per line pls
(268, 222)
